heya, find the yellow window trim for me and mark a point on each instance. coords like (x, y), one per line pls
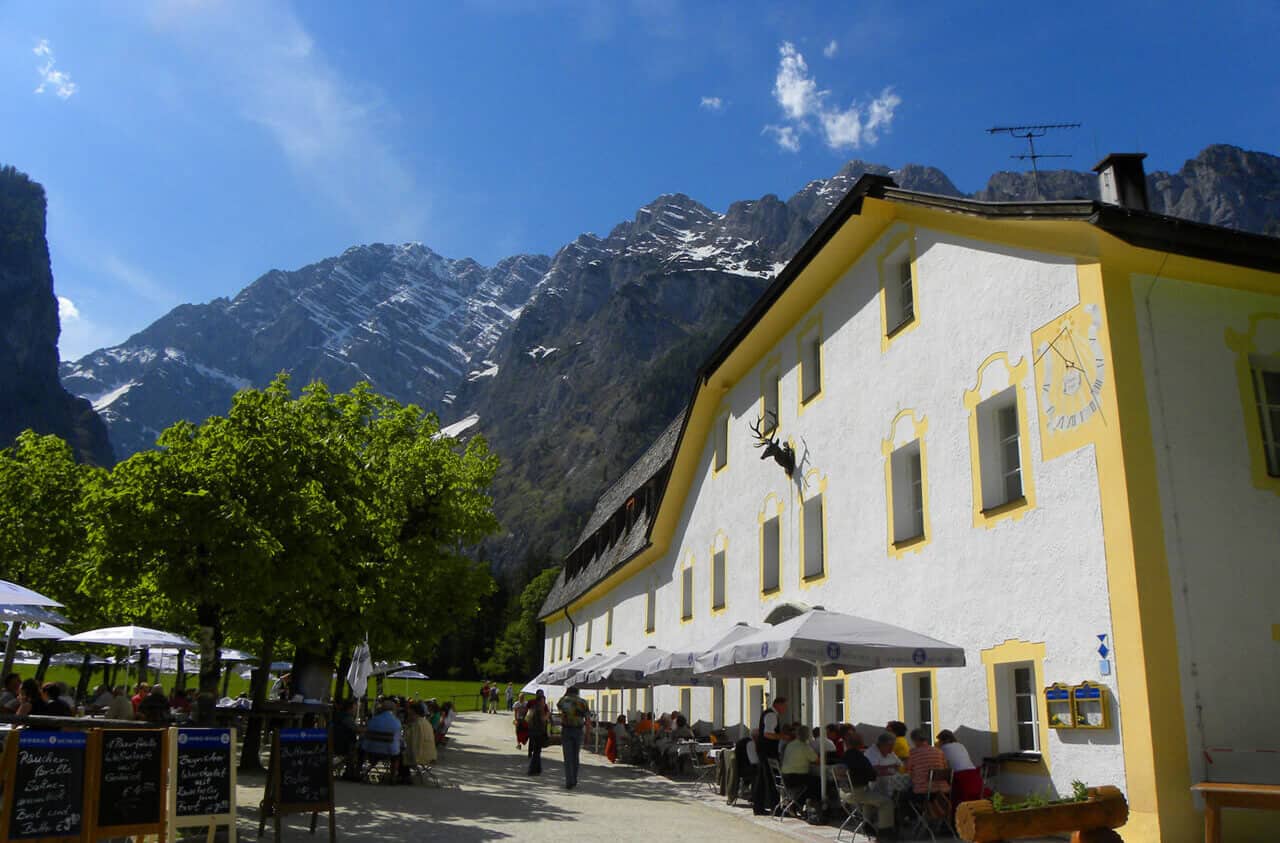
(889, 333)
(899, 549)
(1014, 509)
(1245, 346)
(902, 673)
(811, 479)
(1010, 651)
(762, 517)
(687, 565)
(771, 366)
(810, 326)
(719, 544)
(723, 418)
(750, 717)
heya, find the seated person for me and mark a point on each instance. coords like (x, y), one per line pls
(645, 725)
(682, 731)
(346, 736)
(966, 779)
(862, 775)
(180, 701)
(745, 759)
(900, 746)
(383, 738)
(796, 758)
(924, 759)
(154, 707)
(9, 698)
(882, 756)
(121, 707)
(836, 737)
(57, 705)
(102, 698)
(823, 743)
(419, 740)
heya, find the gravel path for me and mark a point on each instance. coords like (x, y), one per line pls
(488, 797)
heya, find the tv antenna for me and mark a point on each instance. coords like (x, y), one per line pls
(1030, 133)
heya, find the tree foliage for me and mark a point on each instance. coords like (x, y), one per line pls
(517, 654)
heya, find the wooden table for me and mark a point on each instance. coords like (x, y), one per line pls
(1219, 795)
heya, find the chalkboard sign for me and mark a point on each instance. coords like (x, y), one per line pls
(131, 774)
(46, 774)
(204, 772)
(306, 770)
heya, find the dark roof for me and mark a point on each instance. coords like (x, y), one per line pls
(633, 539)
(1144, 229)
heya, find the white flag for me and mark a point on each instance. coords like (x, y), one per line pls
(360, 670)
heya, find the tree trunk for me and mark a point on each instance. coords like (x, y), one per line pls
(86, 673)
(180, 681)
(226, 678)
(43, 667)
(11, 645)
(210, 620)
(249, 760)
(341, 689)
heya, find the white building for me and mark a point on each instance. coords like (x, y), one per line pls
(1028, 429)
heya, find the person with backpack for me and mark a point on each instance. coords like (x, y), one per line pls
(575, 719)
(538, 716)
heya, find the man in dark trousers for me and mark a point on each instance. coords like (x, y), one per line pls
(765, 797)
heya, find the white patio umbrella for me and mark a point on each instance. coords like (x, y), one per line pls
(591, 678)
(819, 643)
(406, 674)
(132, 637)
(45, 631)
(30, 614)
(229, 655)
(12, 594)
(677, 668)
(563, 674)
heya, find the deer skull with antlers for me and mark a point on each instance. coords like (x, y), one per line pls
(781, 452)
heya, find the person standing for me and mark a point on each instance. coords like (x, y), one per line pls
(511, 697)
(537, 717)
(769, 733)
(575, 717)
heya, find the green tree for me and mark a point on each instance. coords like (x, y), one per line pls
(517, 654)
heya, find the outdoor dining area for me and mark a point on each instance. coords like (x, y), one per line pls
(819, 771)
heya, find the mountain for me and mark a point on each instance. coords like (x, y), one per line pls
(571, 364)
(401, 317)
(32, 395)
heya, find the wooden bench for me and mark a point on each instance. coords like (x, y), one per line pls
(1219, 795)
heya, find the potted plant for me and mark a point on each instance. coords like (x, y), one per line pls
(1090, 812)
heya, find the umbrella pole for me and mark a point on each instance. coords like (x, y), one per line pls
(11, 647)
(822, 747)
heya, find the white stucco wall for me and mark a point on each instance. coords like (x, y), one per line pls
(1222, 534)
(1040, 578)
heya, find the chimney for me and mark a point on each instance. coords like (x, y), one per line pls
(1122, 180)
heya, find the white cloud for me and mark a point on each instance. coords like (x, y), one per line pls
(712, 104)
(51, 78)
(786, 136)
(793, 89)
(805, 105)
(67, 310)
(330, 130)
(831, 49)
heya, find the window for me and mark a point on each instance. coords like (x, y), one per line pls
(608, 627)
(686, 591)
(686, 702)
(1000, 449)
(917, 702)
(899, 294)
(1024, 705)
(589, 625)
(837, 690)
(814, 551)
(755, 705)
(717, 579)
(722, 442)
(717, 705)
(908, 492)
(769, 401)
(1266, 385)
(771, 554)
(810, 365)
(650, 610)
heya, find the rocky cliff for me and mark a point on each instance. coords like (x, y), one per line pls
(30, 394)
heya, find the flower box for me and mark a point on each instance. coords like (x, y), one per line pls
(1106, 808)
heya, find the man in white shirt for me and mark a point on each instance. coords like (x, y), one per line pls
(765, 796)
(881, 756)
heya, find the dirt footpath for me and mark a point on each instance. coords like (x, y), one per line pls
(487, 796)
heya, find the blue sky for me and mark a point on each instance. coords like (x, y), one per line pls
(188, 147)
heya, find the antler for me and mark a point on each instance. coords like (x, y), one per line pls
(764, 440)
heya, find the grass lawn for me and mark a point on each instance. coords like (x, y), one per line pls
(464, 693)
